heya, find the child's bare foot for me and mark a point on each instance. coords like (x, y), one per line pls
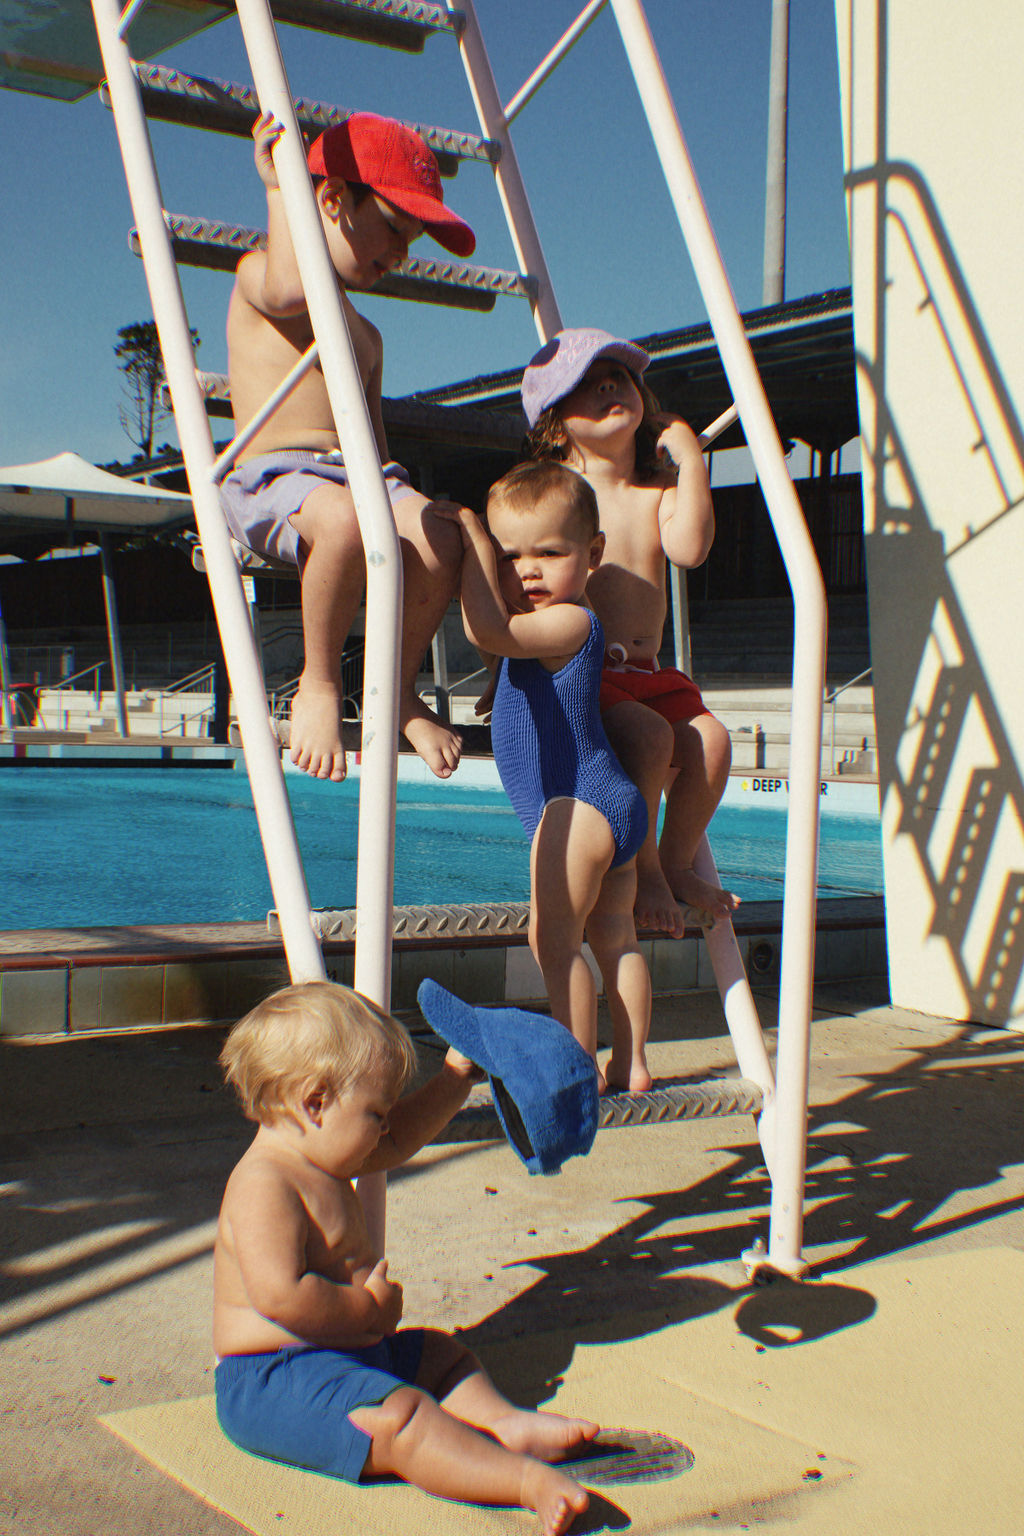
(635, 1079)
(439, 745)
(655, 906)
(545, 1436)
(314, 731)
(691, 891)
(555, 1498)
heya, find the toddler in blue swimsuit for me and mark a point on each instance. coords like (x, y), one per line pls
(313, 1368)
(523, 583)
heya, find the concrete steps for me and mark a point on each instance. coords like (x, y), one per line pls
(759, 721)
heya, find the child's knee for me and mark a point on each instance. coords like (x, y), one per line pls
(717, 742)
(384, 1422)
(327, 521)
(437, 540)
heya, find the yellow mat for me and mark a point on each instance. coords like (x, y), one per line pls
(886, 1398)
(739, 1466)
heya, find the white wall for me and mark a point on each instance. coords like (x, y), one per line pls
(933, 123)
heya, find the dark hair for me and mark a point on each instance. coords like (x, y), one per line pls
(359, 189)
(549, 439)
(528, 484)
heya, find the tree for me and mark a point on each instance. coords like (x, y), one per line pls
(140, 360)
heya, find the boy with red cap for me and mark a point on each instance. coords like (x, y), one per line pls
(377, 189)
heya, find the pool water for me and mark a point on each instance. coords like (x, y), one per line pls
(87, 846)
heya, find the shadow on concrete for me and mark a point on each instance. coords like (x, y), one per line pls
(883, 1162)
(115, 1152)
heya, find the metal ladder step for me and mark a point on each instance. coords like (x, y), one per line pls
(457, 923)
(401, 24)
(212, 243)
(171, 96)
(478, 1121)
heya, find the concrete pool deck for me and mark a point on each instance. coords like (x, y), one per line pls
(882, 1395)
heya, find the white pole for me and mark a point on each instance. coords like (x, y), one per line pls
(509, 181)
(739, 1009)
(774, 275)
(798, 922)
(373, 508)
(7, 716)
(113, 632)
(262, 757)
(553, 58)
(375, 865)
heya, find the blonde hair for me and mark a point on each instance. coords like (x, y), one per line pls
(527, 485)
(314, 1035)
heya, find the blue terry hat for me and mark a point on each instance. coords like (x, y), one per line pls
(543, 1082)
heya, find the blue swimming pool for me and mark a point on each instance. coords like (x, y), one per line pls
(89, 846)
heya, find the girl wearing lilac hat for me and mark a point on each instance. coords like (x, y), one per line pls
(587, 406)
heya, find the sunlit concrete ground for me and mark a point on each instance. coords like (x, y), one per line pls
(114, 1151)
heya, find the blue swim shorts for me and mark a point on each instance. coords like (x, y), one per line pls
(260, 496)
(293, 1405)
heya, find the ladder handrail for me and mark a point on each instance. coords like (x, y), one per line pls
(830, 698)
(65, 682)
(799, 905)
(375, 863)
(204, 673)
(507, 176)
(551, 60)
(273, 809)
(783, 1138)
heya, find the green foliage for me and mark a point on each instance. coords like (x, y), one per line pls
(140, 360)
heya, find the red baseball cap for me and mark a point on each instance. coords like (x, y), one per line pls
(392, 159)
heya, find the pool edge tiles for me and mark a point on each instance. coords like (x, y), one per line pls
(75, 982)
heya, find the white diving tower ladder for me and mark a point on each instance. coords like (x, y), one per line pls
(137, 89)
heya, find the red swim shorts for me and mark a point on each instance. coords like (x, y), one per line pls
(667, 690)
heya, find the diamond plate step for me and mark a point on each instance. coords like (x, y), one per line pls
(171, 96)
(478, 1121)
(493, 920)
(401, 24)
(213, 243)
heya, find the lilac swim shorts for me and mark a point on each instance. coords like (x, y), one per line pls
(293, 1405)
(261, 495)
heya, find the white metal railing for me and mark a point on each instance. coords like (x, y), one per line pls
(190, 683)
(93, 672)
(375, 867)
(723, 950)
(273, 810)
(552, 59)
(384, 573)
(798, 921)
(507, 176)
(205, 713)
(830, 698)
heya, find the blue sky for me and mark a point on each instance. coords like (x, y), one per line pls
(605, 220)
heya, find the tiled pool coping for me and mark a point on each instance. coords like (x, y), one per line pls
(83, 980)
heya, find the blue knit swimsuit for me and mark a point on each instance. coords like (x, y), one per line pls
(549, 743)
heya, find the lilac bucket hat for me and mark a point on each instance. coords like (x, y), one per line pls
(554, 371)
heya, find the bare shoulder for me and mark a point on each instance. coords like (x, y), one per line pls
(249, 277)
(363, 330)
(263, 1176)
